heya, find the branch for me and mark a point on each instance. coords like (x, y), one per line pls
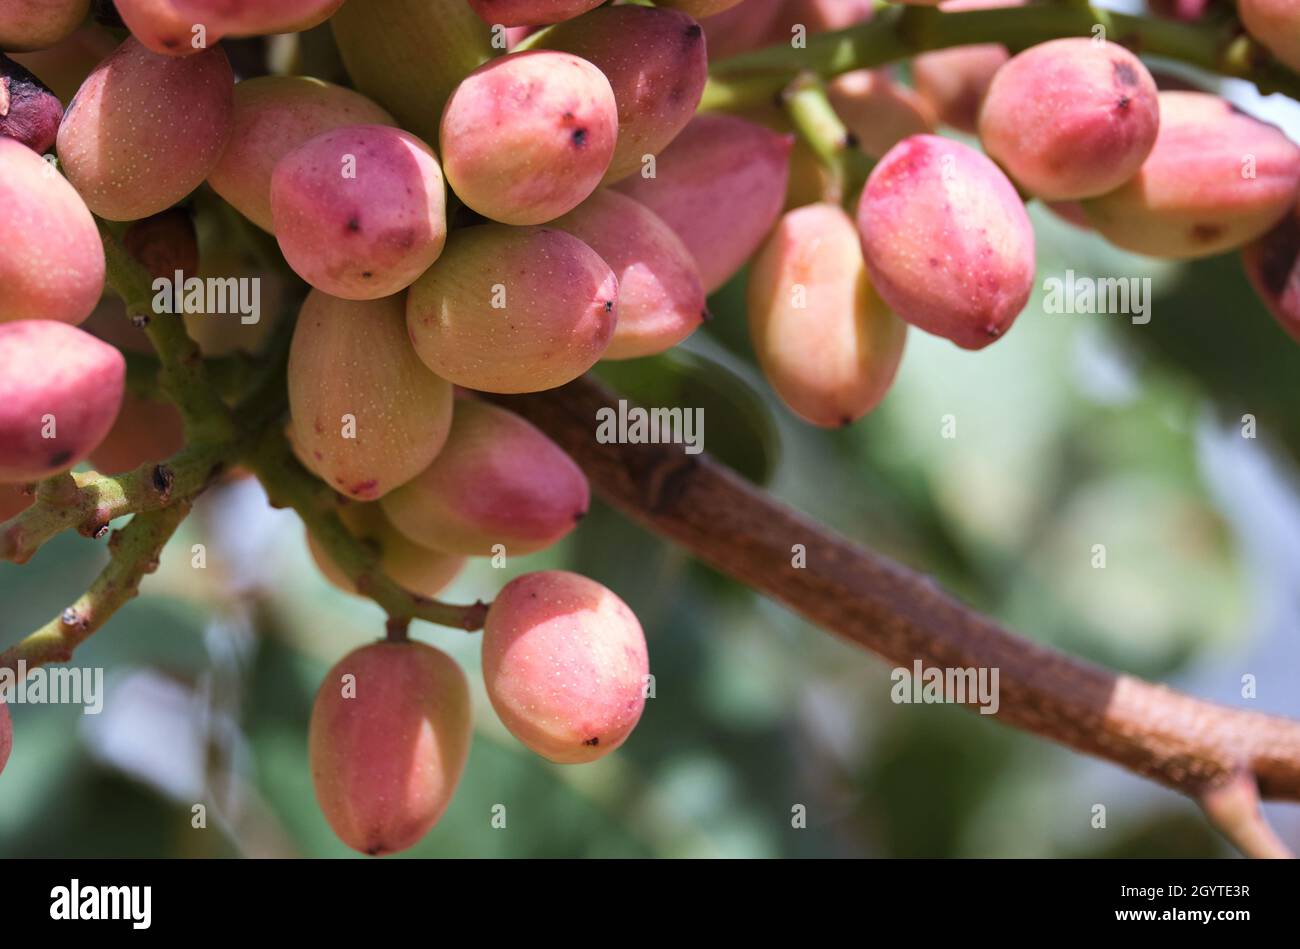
(900, 32)
(91, 500)
(1181, 742)
(135, 551)
(183, 374)
(160, 494)
(1233, 808)
(289, 484)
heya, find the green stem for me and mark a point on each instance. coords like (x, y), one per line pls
(100, 499)
(900, 32)
(815, 120)
(183, 375)
(289, 484)
(231, 375)
(135, 549)
(817, 123)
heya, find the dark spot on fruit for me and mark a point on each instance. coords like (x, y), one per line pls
(579, 138)
(694, 32)
(846, 421)
(354, 225)
(1125, 74)
(60, 459)
(366, 274)
(609, 306)
(579, 515)
(1122, 103)
(593, 741)
(933, 261)
(170, 43)
(1205, 233)
(1278, 250)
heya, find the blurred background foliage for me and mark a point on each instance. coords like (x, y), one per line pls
(1073, 431)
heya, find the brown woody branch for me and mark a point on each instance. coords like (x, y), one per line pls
(1193, 746)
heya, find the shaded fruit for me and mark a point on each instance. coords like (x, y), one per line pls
(565, 665)
(819, 16)
(272, 116)
(1071, 212)
(954, 81)
(735, 169)
(1070, 118)
(53, 418)
(1215, 180)
(144, 130)
(1275, 24)
(878, 111)
(811, 180)
(408, 55)
(65, 66)
(498, 480)
(108, 321)
(947, 242)
(29, 112)
(144, 432)
(513, 309)
(225, 254)
(660, 297)
(258, 18)
(421, 570)
(699, 8)
(365, 410)
(51, 256)
(656, 65)
(389, 735)
(172, 27)
(530, 12)
(742, 28)
(6, 736)
(38, 24)
(527, 137)
(1272, 263)
(1188, 10)
(14, 499)
(825, 340)
(165, 243)
(360, 211)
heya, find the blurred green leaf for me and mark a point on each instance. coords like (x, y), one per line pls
(738, 430)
